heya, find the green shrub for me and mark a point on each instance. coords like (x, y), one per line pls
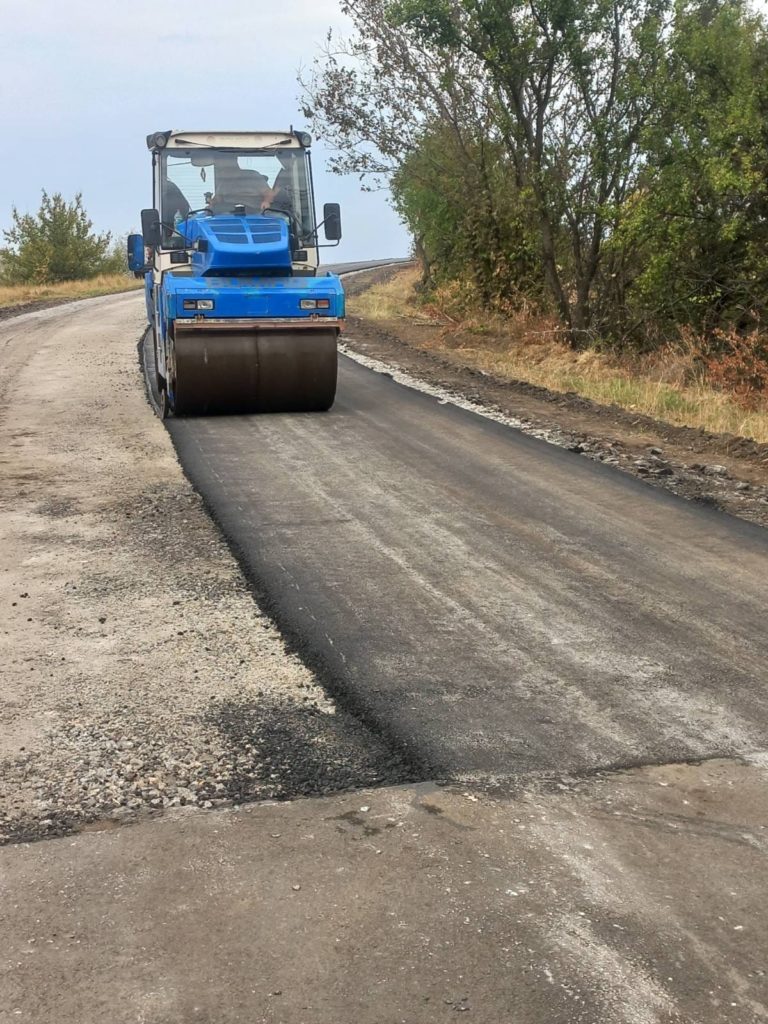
(56, 244)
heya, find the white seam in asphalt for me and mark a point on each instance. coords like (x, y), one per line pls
(445, 397)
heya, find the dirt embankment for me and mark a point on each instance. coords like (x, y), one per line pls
(720, 470)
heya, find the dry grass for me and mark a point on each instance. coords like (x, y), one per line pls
(668, 386)
(389, 300)
(105, 284)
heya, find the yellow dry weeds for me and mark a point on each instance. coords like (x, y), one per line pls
(104, 284)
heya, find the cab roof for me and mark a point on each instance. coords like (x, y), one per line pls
(177, 139)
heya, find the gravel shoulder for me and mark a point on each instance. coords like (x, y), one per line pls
(138, 671)
(718, 470)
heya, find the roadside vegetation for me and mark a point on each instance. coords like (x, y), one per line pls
(589, 177)
(102, 284)
(668, 384)
(55, 254)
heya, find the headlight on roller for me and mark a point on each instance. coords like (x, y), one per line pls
(315, 304)
(198, 304)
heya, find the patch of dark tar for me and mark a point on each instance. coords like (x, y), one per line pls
(58, 824)
(578, 779)
(359, 820)
(709, 501)
(279, 750)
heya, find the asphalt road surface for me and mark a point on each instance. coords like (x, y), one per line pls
(493, 605)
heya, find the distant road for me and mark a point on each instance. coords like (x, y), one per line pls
(353, 268)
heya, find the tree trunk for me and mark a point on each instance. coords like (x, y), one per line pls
(426, 267)
(551, 274)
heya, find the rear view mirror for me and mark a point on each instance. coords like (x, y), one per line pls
(332, 221)
(136, 261)
(150, 228)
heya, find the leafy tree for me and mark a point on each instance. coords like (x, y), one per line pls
(568, 78)
(606, 157)
(56, 244)
(556, 83)
(116, 259)
(468, 218)
(694, 235)
(399, 109)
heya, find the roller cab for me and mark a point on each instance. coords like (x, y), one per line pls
(241, 317)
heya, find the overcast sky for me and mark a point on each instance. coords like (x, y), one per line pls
(83, 83)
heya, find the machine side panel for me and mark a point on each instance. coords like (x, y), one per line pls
(254, 297)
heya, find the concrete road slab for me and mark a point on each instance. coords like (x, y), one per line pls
(635, 898)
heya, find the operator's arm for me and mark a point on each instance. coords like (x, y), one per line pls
(175, 210)
(279, 196)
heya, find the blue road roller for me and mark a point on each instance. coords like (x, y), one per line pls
(241, 317)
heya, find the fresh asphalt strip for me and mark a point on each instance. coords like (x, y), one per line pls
(493, 605)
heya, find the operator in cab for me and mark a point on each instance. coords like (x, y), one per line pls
(236, 186)
(281, 196)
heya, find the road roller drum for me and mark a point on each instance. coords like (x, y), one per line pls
(251, 370)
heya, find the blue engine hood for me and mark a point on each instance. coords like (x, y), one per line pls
(226, 245)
